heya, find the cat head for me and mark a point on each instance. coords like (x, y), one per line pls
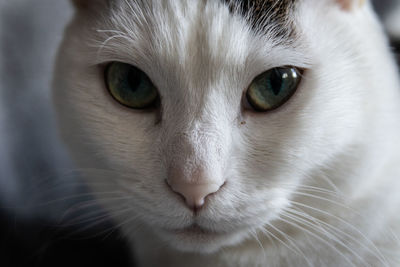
(172, 106)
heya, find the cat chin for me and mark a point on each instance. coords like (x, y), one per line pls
(194, 240)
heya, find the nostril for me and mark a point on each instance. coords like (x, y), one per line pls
(172, 189)
(195, 194)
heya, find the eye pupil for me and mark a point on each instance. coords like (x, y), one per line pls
(276, 81)
(134, 79)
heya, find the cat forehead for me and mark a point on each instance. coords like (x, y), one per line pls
(224, 30)
(261, 13)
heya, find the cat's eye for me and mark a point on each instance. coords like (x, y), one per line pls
(130, 86)
(273, 88)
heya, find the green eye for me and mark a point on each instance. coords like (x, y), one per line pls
(130, 86)
(272, 88)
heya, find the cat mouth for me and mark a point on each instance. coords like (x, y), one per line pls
(196, 238)
(195, 230)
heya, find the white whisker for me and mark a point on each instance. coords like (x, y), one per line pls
(254, 235)
(342, 233)
(319, 229)
(347, 224)
(292, 242)
(318, 238)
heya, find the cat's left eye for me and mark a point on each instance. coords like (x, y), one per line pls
(130, 86)
(273, 88)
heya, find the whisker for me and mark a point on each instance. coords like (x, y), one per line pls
(88, 217)
(265, 232)
(340, 220)
(109, 39)
(292, 242)
(319, 238)
(279, 240)
(310, 188)
(319, 229)
(119, 226)
(97, 222)
(341, 232)
(254, 235)
(332, 194)
(90, 204)
(324, 199)
(77, 196)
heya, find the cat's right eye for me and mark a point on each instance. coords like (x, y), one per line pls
(130, 86)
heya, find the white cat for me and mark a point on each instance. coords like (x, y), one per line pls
(237, 133)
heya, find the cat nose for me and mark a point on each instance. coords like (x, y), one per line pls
(194, 194)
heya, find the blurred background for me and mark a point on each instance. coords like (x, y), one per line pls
(37, 186)
(40, 194)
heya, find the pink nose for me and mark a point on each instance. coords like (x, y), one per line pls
(194, 193)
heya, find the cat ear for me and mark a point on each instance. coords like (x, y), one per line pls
(350, 4)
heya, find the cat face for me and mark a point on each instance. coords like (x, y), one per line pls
(202, 56)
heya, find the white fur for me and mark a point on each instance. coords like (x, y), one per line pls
(334, 146)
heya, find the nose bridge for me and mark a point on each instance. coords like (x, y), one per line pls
(197, 148)
(194, 155)
(200, 131)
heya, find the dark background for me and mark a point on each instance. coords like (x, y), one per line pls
(37, 186)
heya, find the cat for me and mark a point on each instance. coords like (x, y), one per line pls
(237, 133)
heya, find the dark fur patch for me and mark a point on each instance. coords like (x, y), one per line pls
(91, 4)
(263, 14)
